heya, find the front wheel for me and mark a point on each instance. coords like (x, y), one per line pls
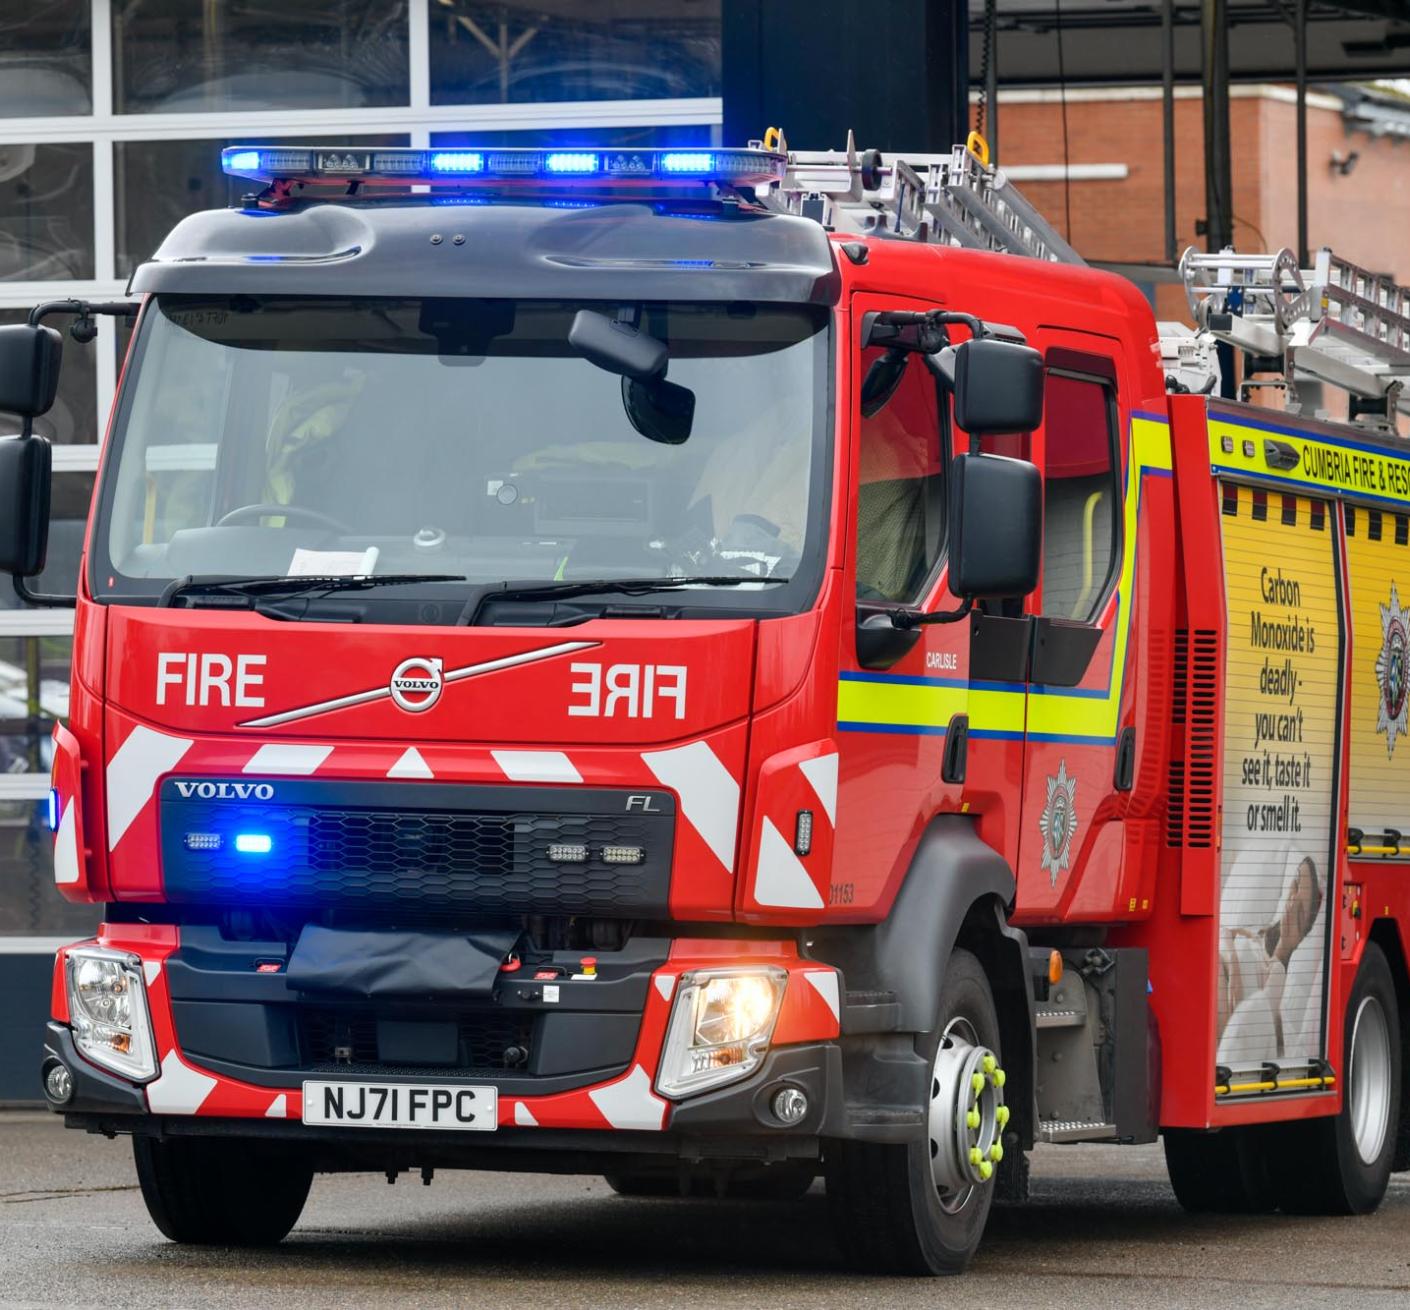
(221, 1191)
(921, 1207)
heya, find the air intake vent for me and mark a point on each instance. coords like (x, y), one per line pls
(1175, 778)
(1189, 787)
(1200, 743)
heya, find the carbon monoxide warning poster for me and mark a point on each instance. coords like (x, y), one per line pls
(1282, 668)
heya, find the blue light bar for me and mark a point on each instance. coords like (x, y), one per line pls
(457, 161)
(53, 815)
(353, 168)
(253, 843)
(571, 161)
(688, 161)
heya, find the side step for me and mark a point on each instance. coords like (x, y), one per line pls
(1070, 1130)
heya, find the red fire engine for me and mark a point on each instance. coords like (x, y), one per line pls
(699, 666)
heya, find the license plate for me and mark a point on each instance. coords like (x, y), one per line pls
(399, 1105)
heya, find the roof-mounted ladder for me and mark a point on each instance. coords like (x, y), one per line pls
(956, 199)
(1333, 324)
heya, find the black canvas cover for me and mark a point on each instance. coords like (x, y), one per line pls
(383, 965)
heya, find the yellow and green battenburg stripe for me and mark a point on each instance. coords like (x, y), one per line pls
(907, 704)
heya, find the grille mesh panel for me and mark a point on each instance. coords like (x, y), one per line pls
(482, 855)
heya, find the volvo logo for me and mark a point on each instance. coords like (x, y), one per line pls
(225, 791)
(417, 683)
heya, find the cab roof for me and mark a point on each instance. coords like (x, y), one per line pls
(570, 249)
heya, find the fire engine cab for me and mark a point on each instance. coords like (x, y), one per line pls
(724, 668)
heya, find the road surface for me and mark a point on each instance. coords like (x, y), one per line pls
(1103, 1230)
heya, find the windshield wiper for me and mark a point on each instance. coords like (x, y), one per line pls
(497, 591)
(236, 587)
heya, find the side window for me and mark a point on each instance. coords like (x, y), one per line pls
(901, 491)
(1081, 494)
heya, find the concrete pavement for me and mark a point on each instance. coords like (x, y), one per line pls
(1103, 1230)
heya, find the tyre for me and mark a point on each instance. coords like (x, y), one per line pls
(221, 1191)
(921, 1207)
(1227, 1172)
(1342, 1165)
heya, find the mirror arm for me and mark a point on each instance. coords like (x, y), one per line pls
(82, 328)
(45, 599)
(916, 619)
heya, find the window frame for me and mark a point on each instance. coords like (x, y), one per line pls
(1084, 366)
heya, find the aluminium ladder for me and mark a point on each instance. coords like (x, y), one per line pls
(1334, 324)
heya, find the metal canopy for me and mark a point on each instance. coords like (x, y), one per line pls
(1119, 41)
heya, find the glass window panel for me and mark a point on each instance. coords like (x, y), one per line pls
(45, 63)
(158, 183)
(34, 695)
(68, 520)
(1081, 494)
(179, 56)
(74, 417)
(29, 904)
(546, 50)
(609, 138)
(901, 496)
(46, 211)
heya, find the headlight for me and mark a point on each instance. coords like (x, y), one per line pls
(108, 1011)
(720, 1028)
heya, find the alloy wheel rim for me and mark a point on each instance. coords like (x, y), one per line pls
(967, 1115)
(1370, 1080)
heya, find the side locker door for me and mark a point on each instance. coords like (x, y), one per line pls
(897, 692)
(1070, 845)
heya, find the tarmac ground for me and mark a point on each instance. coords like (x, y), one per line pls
(1102, 1230)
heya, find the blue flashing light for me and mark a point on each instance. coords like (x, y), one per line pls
(466, 169)
(53, 815)
(253, 843)
(458, 161)
(688, 161)
(570, 161)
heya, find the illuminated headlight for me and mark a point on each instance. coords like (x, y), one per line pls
(720, 1028)
(108, 1011)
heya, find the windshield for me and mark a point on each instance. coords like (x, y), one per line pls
(273, 437)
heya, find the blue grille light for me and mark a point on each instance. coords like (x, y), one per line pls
(458, 161)
(688, 161)
(242, 161)
(570, 161)
(53, 809)
(253, 843)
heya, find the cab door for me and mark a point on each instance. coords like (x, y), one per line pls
(899, 692)
(1077, 760)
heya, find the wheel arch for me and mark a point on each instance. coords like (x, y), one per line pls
(956, 892)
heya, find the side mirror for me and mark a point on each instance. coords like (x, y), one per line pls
(29, 369)
(996, 526)
(25, 464)
(998, 386)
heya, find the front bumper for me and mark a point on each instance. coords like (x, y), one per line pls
(601, 1111)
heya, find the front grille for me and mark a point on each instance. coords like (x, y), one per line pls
(482, 849)
(485, 1040)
